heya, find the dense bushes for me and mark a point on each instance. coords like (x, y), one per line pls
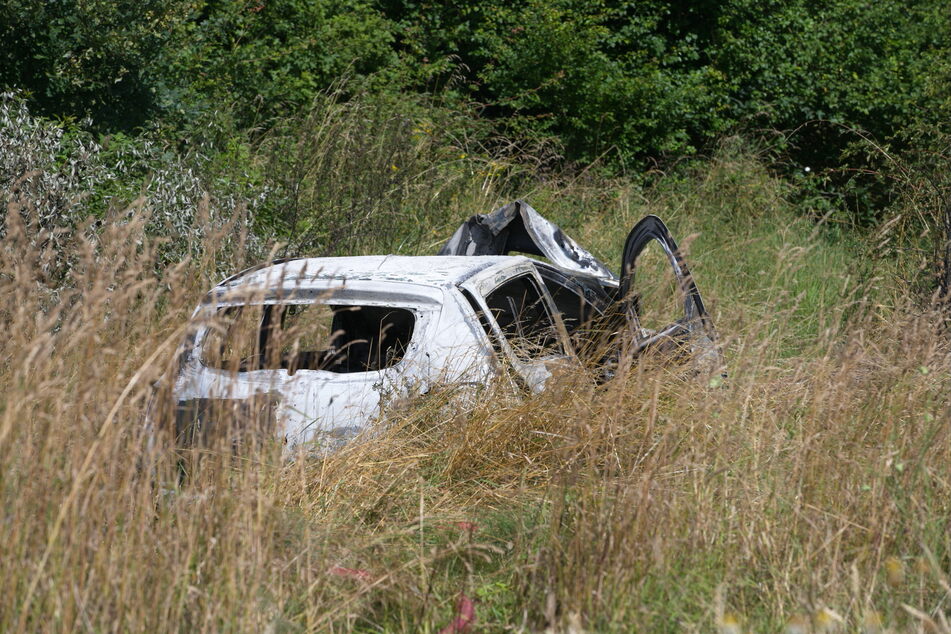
(645, 78)
(652, 79)
(260, 60)
(93, 58)
(632, 83)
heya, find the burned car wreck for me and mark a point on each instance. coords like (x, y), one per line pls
(316, 347)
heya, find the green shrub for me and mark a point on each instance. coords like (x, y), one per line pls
(259, 60)
(656, 78)
(89, 58)
(631, 84)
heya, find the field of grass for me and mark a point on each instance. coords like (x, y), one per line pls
(810, 489)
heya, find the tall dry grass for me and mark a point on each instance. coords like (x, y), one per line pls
(810, 489)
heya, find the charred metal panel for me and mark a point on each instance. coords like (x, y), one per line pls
(517, 227)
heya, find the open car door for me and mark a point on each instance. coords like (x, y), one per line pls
(650, 260)
(660, 298)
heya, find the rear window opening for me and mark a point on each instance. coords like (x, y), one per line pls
(292, 337)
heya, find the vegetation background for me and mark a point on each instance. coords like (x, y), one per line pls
(801, 148)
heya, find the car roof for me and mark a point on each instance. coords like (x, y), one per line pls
(436, 271)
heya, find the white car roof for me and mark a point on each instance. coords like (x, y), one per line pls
(436, 271)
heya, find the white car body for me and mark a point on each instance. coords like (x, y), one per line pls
(400, 325)
(448, 346)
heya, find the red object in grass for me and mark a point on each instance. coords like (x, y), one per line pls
(465, 617)
(470, 527)
(351, 573)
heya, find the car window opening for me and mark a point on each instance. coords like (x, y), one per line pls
(659, 300)
(576, 311)
(520, 312)
(332, 338)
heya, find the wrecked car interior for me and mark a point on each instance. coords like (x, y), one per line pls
(313, 349)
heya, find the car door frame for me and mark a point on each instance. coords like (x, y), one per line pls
(696, 320)
(532, 373)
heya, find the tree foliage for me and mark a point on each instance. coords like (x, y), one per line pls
(633, 81)
(89, 58)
